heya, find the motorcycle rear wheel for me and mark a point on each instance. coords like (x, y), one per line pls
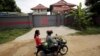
(64, 50)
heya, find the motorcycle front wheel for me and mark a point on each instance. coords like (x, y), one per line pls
(40, 53)
(64, 50)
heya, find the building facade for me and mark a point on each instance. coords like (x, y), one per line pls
(61, 7)
(39, 10)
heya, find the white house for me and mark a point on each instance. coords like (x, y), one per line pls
(39, 10)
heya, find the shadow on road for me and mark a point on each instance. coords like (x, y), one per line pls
(42, 54)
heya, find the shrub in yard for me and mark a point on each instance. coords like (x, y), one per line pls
(89, 31)
(81, 17)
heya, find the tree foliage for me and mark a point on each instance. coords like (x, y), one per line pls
(8, 6)
(94, 6)
(82, 18)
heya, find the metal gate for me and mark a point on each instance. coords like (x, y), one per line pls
(46, 20)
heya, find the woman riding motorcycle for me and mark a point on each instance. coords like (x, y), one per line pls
(52, 46)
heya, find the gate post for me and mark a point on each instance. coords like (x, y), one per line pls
(62, 19)
(58, 20)
(30, 20)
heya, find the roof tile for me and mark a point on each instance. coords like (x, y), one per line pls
(39, 6)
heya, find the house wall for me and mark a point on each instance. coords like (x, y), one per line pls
(58, 12)
(39, 12)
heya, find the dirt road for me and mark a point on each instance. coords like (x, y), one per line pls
(78, 46)
(61, 30)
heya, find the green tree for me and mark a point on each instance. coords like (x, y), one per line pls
(1, 4)
(94, 6)
(8, 6)
(81, 17)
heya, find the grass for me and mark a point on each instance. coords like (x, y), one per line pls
(89, 31)
(9, 34)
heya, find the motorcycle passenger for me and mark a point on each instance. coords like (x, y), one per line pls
(51, 42)
(40, 46)
(38, 40)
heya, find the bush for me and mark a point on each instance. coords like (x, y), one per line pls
(82, 18)
(90, 31)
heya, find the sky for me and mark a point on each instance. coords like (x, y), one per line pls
(26, 5)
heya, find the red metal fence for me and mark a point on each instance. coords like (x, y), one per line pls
(34, 21)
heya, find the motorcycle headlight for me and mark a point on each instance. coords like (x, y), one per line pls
(64, 41)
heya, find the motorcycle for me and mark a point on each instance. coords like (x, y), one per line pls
(59, 48)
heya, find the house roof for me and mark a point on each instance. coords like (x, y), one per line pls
(60, 9)
(62, 2)
(71, 5)
(39, 6)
